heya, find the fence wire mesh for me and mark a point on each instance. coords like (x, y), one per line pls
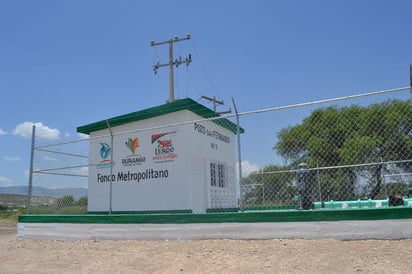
(60, 178)
(345, 152)
(356, 151)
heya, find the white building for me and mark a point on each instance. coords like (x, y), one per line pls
(146, 166)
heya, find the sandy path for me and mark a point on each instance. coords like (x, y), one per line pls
(211, 256)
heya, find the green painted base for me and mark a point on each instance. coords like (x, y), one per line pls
(141, 212)
(360, 214)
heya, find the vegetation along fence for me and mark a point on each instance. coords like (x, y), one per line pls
(354, 151)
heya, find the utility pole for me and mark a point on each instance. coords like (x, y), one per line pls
(215, 103)
(172, 62)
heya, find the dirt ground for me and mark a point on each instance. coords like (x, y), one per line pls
(207, 256)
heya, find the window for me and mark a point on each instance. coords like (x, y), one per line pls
(218, 174)
(212, 174)
(221, 175)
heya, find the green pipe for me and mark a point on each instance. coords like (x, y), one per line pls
(359, 203)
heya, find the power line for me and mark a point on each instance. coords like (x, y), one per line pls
(204, 68)
(193, 82)
(162, 83)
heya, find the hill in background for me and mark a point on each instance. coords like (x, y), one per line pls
(20, 201)
(45, 192)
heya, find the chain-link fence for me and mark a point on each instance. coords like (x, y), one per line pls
(59, 176)
(344, 152)
(355, 152)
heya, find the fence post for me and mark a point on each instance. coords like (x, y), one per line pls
(410, 76)
(33, 137)
(111, 167)
(263, 187)
(319, 187)
(304, 187)
(410, 79)
(239, 154)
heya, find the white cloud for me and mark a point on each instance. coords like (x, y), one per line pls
(5, 181)
(42, 132)
(2, 132)
(27, 173)
(47, 158)
(83, 136)
(248, 168)
(12, 158)
(82, 171)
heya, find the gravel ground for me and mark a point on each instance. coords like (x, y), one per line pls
(211, 256)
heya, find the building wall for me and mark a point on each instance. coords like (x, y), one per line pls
(217, 146)
(156, 169)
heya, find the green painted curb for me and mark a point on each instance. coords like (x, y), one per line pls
(229, 217)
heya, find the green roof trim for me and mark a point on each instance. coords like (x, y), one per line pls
(177, 105)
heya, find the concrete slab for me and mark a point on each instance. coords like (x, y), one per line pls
(339, 230)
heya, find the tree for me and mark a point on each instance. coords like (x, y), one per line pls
(352, 135)
(271, 186)
(82, 201)
(65, 201)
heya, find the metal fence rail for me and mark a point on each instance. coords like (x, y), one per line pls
(59, 171)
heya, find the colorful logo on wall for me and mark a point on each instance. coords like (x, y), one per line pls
(105, 152)
(164, 150)
(134, 159)
(132, 144)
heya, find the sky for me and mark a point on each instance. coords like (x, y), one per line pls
(64, 64)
